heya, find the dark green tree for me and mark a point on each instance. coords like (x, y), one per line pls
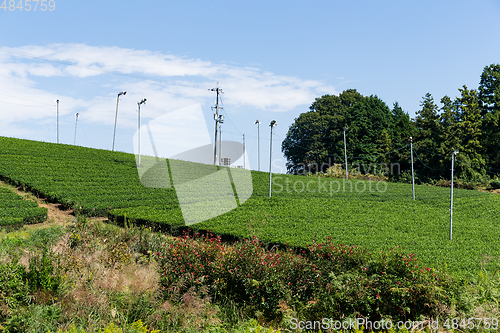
(367, 121)
(427, 137)
(315, 139)
(469, 109)
(489, 88)
(449, 123)
(489, 95)
(401, 131)
(402, 125)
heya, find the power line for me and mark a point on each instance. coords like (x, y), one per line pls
(462, 162)
(423, 161)
(27, 106)
(81, 127)
(227, 116)
(355, 157)
(393, 151)
(29, 100)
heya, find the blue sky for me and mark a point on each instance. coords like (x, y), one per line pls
(272, 58)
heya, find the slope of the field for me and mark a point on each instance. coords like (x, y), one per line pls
(372, 214)
(90, 180)
(14, 210)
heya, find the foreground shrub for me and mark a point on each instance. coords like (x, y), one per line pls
(41, 274)
(14, 290)
(384, 286)
(325, 280)
(495, 184)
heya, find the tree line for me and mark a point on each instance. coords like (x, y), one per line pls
(376, 133)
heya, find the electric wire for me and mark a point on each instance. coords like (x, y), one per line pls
(423, 161)
(462, 162)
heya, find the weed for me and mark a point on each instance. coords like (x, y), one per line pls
(45, 237)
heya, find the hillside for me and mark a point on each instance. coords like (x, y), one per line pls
(101, 183)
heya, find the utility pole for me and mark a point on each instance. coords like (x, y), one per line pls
(57, 121)
(139, 128)
(216, 118)
(258, 140)
(244, 162)
(455, 152)
(412, 176)
(76, 126)
(220, 143)
(345, 153)
(221, 121)
(116, 117)
(273, 125)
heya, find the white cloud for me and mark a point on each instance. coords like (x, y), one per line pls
(32, 78)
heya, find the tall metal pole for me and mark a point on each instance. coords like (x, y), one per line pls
(412, 176)
(139, 128)
(273, 124)
(216, 118)
(345, 153)
(116, 117)
(139, 131)
(244, 162)
(258, 140)
(451, 199)
(76, 126)
(57, 121)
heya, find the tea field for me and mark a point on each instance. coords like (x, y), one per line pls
(374, 215)
(14, 210)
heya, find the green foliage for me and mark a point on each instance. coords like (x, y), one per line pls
(426, 129)
(33, 319)
(15, 211)
(90, 181)
(495, 184)
(489, 87)
(489, 94)
(470, 123)
(11, 221)
(377, 215)
(315, 140)
(13, 287)
(74, 240)
(41, 273)
(471, 150)
(139, 327)
(45, 236)
(11, 249)
(135, 327)
(327, 280)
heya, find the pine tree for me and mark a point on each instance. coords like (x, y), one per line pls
(469, 133)
(401, 132)
(489, 95)
(427, 137)
(449, 139)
